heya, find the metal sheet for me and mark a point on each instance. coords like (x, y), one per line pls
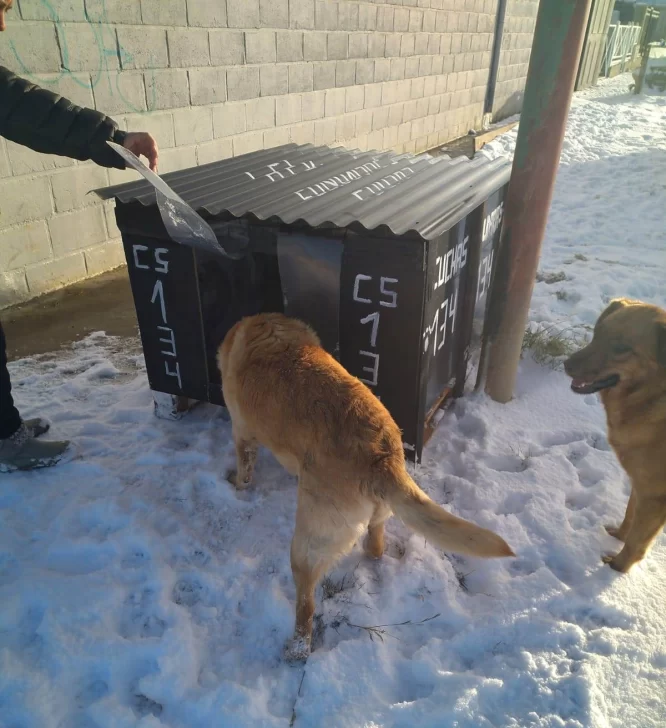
(381, 191)
(310, 278)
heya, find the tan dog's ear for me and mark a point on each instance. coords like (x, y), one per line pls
(613, 306)
(661, 344)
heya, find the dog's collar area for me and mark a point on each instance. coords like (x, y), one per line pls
(583, 386)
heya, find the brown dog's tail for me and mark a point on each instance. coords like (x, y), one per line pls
(440, 527)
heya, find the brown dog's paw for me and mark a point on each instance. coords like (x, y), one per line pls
(614, 562)
(232, 477)
(615, 532)
(297, 650)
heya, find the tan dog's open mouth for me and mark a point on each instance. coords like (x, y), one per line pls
(585, 386)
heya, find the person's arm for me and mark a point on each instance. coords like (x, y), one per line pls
(49, 123)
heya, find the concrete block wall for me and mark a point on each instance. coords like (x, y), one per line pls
(218, 78)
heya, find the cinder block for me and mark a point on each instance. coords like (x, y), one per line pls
(112, 230)
(76, 230)
(22, 160)
(347, 16)
(403, 90)
(407, 45)
(260, 114)
(324, 75)
(122, 93)
(164, 12)
(326, 15)
(23, 245)
(335, 102)
(142, 47)
(421, 44)
(365, 71)
(302, 14)
(193, 125)
(338, 46)
(367, 17)
(31, 47)
(227, 47)
(358, 45)
(425, 65)
(276, 137)
(376, 45)
(386, 19)
(325, 131)
(364, 122)
(71, 186)
(188, 47)
(373, 96)
(167, 89)
(13, 288)
(246, 143)
(112, 11)
(229, 119)
(354, 98)
(401, 20)
(274, 13)
(380, 118)
(23, 199)
(345, 73)
(392, 45)
(418, 85)
(429, 86)
(260, 46)
(456, 43)
(398, 66)
(83, 48)
(313, 105)
(5, 169)
(73, 10)
(288, 109)
(205, 13)
(53, 274)
(214, 151)
(274, 80)
(376, 140)
(314, 46)
(243, 14)
(178, 158)
(415, 21)
(121, 176)
(382, 70)
(390, 139)
(345, 127)
(207, 86)
(301, 78)
(104, 257)
(242, 83)
(437, 65)
(289, 46)
(302, 133)
(429, 21)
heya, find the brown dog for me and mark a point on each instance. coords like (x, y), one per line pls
(626, 363)
(285, 392)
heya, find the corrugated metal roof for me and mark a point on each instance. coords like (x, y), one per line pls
(345, 188)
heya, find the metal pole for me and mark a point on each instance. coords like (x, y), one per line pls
(558, 39)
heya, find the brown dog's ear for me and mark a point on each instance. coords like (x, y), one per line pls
(613, 306)
(661, 344)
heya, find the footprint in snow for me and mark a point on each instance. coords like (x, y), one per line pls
(138, 619)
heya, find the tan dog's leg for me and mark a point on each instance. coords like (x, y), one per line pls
(649, 518)
(374, 543)
(246, 457)
(620, 532)
(322, 535)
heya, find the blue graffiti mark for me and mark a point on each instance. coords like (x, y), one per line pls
(107, 45)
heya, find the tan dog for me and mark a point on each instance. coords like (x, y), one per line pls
(286, 393)
(626, 363)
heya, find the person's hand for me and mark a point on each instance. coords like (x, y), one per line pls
(141, 142)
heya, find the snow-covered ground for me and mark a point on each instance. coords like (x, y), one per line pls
(137, 588)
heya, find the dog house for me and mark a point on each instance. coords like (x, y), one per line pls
(388, 256)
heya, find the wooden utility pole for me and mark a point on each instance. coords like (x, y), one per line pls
(558, 39)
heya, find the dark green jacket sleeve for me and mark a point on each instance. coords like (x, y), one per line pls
(48, 123)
